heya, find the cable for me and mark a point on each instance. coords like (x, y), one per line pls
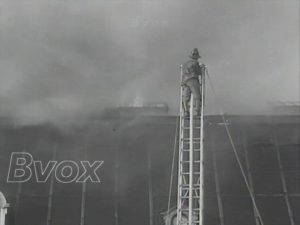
(173, 164)
(235, 151)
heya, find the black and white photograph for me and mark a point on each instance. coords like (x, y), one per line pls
(149, 112)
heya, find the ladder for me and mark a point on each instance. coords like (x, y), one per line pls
(3, 208)
(190, 201)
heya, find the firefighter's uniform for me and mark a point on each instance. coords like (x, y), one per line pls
(190, 82)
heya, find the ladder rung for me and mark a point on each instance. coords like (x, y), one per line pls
(188, 209)
(184, 222)
(194, 142)
(186, 185)
(187, 197)
(196, 161)
(187, 117)
(195, 150)
(194, 188)
(193, 222)
(186, 173)
(187, 139)
(187, 128)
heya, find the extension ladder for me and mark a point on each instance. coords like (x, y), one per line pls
(3, 209)
(190, 201)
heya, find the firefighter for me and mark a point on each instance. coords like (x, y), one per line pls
(190, 82)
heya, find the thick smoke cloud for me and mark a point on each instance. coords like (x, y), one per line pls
(63, 59)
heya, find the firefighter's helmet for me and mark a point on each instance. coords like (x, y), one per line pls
(195, 54)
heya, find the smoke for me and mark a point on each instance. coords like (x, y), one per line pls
(64, 59)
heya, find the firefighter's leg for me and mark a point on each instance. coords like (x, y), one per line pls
(197, 107)
(195, 89)
(185, 100)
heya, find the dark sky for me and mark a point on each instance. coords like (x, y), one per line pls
(62, 58)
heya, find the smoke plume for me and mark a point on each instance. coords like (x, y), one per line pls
(62, 59)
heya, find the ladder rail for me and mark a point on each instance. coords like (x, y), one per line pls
(201, 202)
(191, 161)
(180, 154)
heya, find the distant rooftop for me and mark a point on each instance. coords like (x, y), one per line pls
(151, 109)
(286, 107)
